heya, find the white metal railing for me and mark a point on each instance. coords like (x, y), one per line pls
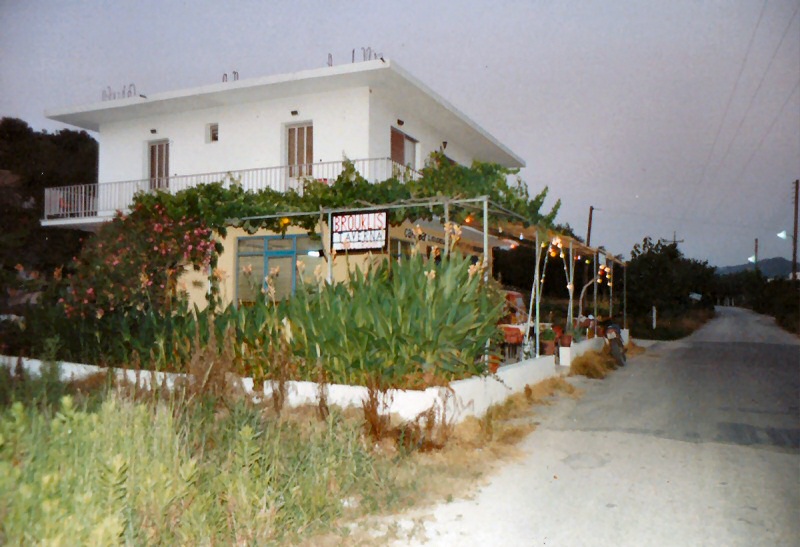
(104, 199)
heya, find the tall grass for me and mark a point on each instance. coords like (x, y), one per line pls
(155, 471)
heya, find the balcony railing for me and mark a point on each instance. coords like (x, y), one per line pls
(104, 199)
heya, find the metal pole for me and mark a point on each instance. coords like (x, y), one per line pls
(533, 293)
(586, 275)
(330, 248)
(595, 294)
(538, 288)
(446, 229)
(611, 292)
(625, 296)
(756, 255)
(794, 238)
(486, 254)
(570, 286)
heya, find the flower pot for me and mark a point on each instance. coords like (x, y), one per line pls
(566, 340)
(548, 347)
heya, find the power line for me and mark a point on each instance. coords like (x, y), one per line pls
(760, 83)
(727, 107)
(732, 190)
(737, 225)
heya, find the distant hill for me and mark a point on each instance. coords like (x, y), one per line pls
(770, 267)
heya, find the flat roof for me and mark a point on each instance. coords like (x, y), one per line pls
(401, 87)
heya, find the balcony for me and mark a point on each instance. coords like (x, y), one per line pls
(85, 206)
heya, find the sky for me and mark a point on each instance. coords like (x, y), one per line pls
(674, 119)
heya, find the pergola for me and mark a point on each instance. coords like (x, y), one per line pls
(511, 227)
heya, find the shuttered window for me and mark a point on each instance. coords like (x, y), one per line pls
(404, 149)
(300, 146)
(159, 165)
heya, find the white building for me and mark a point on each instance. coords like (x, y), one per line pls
(268, 132)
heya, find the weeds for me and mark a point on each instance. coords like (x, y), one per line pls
(166, 472)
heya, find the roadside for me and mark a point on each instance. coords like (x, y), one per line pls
(696, 442)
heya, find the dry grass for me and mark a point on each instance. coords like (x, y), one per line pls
(475, 445)
(543, 392)
(632, 349)
(592, 364)
(473, 449)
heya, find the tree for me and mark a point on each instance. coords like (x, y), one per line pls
(659, 275)
(31, 161)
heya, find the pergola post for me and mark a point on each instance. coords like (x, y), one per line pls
(330, 247)
(595, 293)
(611, 291)
(486, 264)
(570, 286)
(625, 296)
(447, 228)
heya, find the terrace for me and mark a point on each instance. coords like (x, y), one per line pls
(86, 206)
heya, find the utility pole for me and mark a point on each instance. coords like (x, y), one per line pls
(675, 239)
(794, 239)
(588, 244)
(756, 255)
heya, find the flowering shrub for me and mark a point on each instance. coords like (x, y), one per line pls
(134, 262)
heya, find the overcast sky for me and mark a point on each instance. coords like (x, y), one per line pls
(667, 116)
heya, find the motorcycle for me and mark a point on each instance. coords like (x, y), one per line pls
(613, 337)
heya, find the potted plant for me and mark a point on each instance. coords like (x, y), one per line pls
(548, 340)
(565, 340)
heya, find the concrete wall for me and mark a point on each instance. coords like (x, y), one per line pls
(463, 398)
(353, 123)
(384, 116)
(251, 135)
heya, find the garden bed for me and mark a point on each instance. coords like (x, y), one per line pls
(453, 403)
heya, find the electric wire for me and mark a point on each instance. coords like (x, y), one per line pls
(701, 180)
(758, 88)
(724, 198)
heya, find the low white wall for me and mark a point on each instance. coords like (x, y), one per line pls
(463, 398)
(76, 371)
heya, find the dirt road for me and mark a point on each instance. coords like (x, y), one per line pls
(696, 442)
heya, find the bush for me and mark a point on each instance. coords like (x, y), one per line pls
(401, 324)
(167, 473)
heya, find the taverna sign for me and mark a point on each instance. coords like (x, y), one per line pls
(359, 231)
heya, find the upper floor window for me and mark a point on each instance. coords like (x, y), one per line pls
(212, 132)
(158, 152)
(300, 146)
(404, 149)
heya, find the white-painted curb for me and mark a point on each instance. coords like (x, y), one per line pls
(463, 398)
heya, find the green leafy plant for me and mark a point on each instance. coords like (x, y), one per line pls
(547, 335)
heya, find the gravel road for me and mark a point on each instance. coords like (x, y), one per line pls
(696, 442)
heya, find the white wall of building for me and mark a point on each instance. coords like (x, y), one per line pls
(384, 116)
(251, 135)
